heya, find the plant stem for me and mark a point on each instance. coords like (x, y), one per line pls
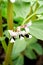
(27, 19)
(10, 15)
(10, 27)
(34, 13)
(8, 54)
(4, 45)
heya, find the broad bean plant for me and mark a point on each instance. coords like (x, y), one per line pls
(24, 28)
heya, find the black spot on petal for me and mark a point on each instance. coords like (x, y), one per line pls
(21, 35)
(27, 35)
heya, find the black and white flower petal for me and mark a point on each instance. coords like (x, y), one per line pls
(27, 30)
(12, 40)
(30, 36)
(21, 38)
(12, 33)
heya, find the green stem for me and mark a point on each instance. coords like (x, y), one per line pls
(4, 45)
(10, 15)
(27, 19)
(10, 27)
(8, 54)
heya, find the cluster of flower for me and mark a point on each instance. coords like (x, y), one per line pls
(20, 33)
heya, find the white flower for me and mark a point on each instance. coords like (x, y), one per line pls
(21, 38)
(27, 30)
(12, 40)
(12, 33)
(12, 1)
(30, 36)
(22, 32)
(18, 28)
(29, 24)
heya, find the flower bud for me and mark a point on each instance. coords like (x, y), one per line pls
(22, 32)
(12, 40)
(21, 38)
(12, 1)
(27, 30)
(29, 24)
(18, 28)
(30, 36)
(12, 33)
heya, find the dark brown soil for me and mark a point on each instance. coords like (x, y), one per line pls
(2, 54)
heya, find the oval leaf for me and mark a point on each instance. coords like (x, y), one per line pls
(18, 47)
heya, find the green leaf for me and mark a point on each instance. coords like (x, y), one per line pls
(37, 47)
(19, 61)
(30, 41)
(18, 47)
(38, 33)
(6, 33)
(4, 9)
(18, 21)
(4, 25)
(4, 12)
(2, 38)
(38, 24)
(40, 10)
(41, 2)
(37, 29)
(35, 6)
(29, 53)
(21, 9)
(28, 0)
